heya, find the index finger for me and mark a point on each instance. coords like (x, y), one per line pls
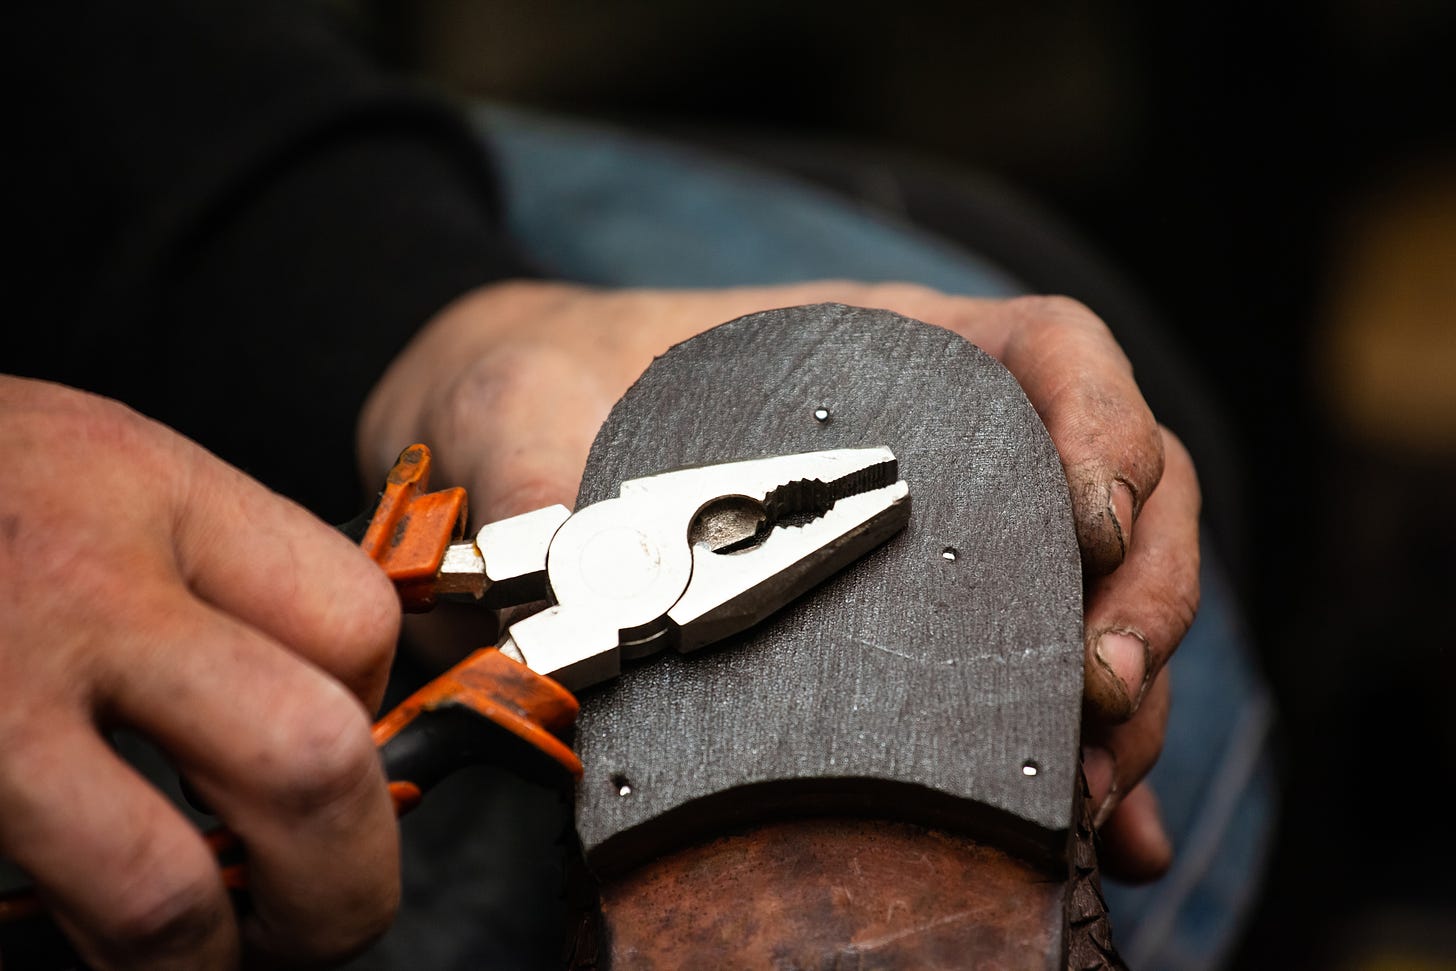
(269, 562)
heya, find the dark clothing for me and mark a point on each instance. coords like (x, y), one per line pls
(229, 218)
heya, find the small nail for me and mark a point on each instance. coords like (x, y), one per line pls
(1125, 654)
(1120, 505)
(1100, 768)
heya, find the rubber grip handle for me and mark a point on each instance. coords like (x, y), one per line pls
(488, 708)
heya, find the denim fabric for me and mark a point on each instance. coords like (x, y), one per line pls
(604, 206)
(1215, 785)
(600, 206)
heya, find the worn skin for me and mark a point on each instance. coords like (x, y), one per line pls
(511, 382)
(151, 586)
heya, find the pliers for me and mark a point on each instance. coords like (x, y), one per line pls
(680, 559)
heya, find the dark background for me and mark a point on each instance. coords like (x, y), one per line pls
(1279, 182)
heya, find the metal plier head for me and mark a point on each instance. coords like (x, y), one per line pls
(681, 559)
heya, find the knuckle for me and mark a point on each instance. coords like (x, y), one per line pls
(367, 629)
(508, 370)
(1182, 606)
(497, 393)
(324, 759)
(472, 401)
(30, 721)
(176, 915)
(480, 385)
(1144, 460)
(1056, 310)
(1174, 573)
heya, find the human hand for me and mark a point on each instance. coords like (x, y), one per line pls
(151, 586)
(513, 381)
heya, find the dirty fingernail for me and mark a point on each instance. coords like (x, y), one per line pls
(1099, 767)
(1125, 654)
(1120, 504)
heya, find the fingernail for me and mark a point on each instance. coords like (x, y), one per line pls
(1120, 505)
(1100, 768)
(1125, 654)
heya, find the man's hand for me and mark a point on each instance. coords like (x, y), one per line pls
(149, 585)
(511, 383)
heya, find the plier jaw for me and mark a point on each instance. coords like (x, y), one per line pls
(681, 558)
(515, 574)
(688, 557)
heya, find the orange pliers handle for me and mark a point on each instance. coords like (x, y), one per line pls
(487, 708)
(410, 528)
(407, 535)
